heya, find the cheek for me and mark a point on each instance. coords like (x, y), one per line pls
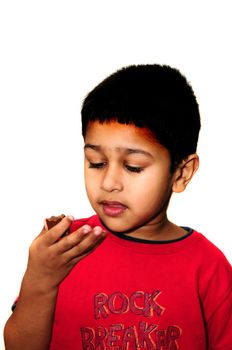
(150, 188)
(90, 191)
(91, 183)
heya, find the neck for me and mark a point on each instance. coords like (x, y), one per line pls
(158, 230)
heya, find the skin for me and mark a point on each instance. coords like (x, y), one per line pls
(144, 193)
(50, 260)
(140, 180)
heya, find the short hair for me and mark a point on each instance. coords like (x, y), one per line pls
(157, 97)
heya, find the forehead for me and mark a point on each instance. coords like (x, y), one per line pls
(125, 132)
(113, 136)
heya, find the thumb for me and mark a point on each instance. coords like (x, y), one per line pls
(45, 224)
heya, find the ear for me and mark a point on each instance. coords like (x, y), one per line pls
(185, 172)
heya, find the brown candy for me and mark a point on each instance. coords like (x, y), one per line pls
(53, 221)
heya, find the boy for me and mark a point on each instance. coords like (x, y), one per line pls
(150, 284)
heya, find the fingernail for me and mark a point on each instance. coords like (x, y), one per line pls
(71, 217)
(97, 230)
(86, 229)
(45, 224)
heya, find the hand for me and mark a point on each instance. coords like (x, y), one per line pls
(51, 257)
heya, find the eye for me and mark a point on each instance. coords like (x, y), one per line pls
(134, 169)
(96, 165)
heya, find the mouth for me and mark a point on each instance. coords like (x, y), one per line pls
(112, 208)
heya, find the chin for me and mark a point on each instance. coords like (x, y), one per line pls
(117, 225)
(112, 224)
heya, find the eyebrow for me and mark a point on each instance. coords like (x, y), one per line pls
(98, 148)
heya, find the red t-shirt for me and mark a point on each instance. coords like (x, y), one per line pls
(129, 295)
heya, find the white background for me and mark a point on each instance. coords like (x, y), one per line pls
(52, 54)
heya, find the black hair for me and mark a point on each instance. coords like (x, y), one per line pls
(154, 96)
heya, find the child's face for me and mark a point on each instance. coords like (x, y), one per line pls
(127, 176)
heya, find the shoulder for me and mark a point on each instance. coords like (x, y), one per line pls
(214, 270)
(210, 258)
(209, 252)
(215, 289)
(91, 221)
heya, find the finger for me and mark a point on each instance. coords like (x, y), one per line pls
(53, 221)
(58, 230)
(90, 242)
(76, 238)
(68, 242)
(72, 259)
(45, 224)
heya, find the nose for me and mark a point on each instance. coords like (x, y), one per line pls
(112, 179)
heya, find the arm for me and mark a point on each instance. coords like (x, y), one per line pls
(219, 325)
(216, 297)
(50, 261)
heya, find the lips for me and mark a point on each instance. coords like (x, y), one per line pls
(112, 208)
